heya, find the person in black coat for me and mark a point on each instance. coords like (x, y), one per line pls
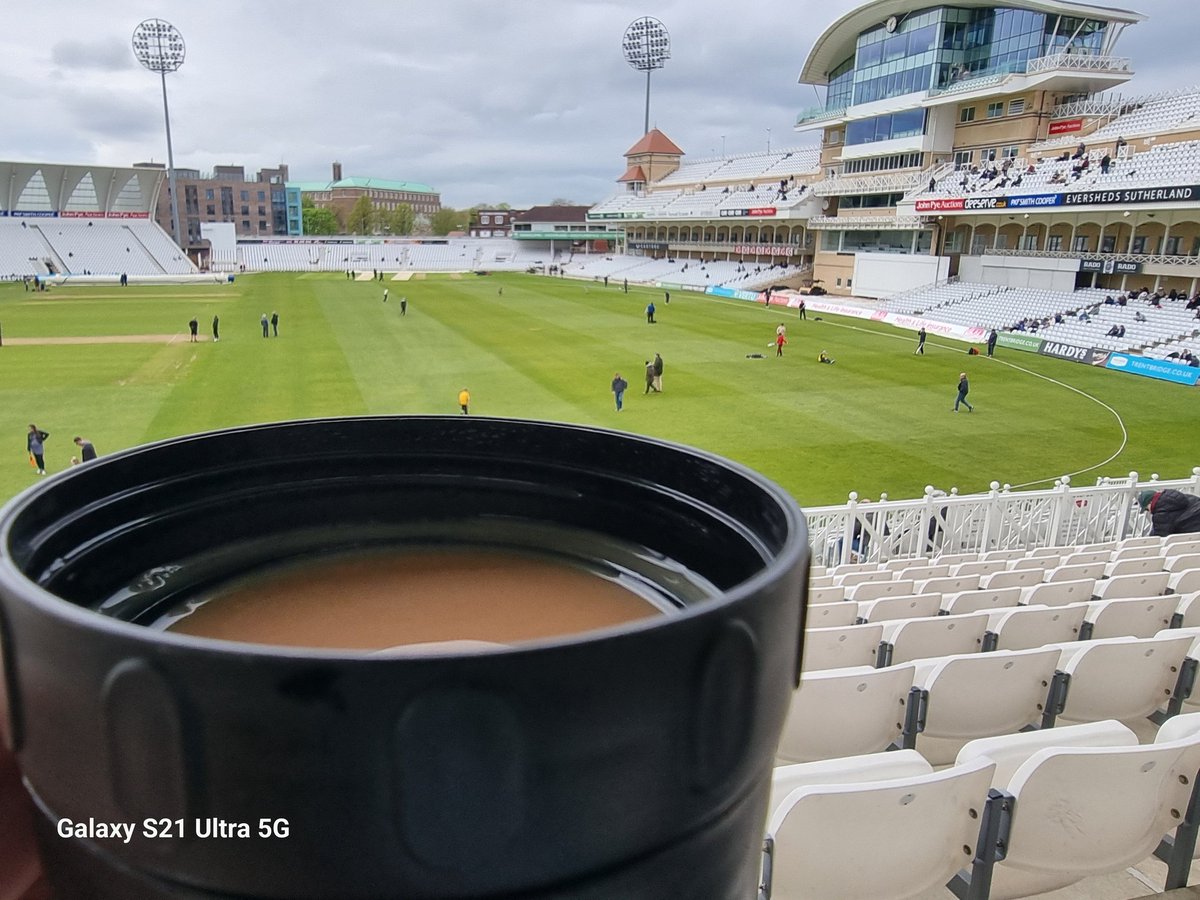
(1171, 511)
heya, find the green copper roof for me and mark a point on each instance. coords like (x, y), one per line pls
(376, 184)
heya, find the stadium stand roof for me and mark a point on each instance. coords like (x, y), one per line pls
(66, 188)
(378, 184)
(837, 42)
(633, 173)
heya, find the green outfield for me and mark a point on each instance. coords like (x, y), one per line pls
(878, 420)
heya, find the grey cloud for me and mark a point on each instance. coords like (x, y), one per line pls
(107, 55)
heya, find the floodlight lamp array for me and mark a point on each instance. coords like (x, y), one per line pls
(158, 45)
(647, 44)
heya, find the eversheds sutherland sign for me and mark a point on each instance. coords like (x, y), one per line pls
(1118, 197)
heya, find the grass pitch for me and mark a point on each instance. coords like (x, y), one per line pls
(878, 420)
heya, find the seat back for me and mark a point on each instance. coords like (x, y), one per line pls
(978, 567)
(827, 594)
(935, 636)
(909, 606)
(919, 573)
(983, 599)
(1186, 581)
(1027, 627)
(1120, 678)
(1058, 593)
(1075, 571)
(1145, 585)
(982, 694)
(897, 838)
(1137, 566)
(872, 590)
(1013, 578)
(839, 648)
(948, 584)
(1133, 617)
(852, 578)
(830, 615)
(844, 712)
(1182, 562)
(1084, 811)
(862, 769)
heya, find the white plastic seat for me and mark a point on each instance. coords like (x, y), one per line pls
(1130, 617)
(1180, 543)
(974, 601)
(1182, 562)
(1087, 557)
(919, 829)
(1005, 555)
(1032, 562)
(1075, 572)
(840, 648)
(947, 584)
(1185, 582)
(1119, 678)
(826, 594)
(1080, 811)
(910, 639)
(1188, 610)
(1014, 578)
(1058, 593)
(1052, 552)
(873, 590)
(844, 712)
(862, 769)
(1139, 543)
(1028, 627)
(830, 615)
(820, 581)
(978, 567)
(910, 606)
(918, 573)
(978, 695)
(1145, 585)
(852, 578)
(1135, 566)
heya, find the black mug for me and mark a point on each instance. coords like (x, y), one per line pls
(628, 762)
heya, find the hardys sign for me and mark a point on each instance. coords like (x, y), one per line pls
(1089, 355)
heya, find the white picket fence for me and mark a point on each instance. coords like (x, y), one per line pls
(1002, 519)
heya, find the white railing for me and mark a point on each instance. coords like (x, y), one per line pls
(869, 184)
(1157, 260)
(890, 223)
(1079, 61)
(1002, 519)
(1104, 105)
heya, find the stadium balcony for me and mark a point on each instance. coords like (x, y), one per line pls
(1166, 165)
(1152, 115)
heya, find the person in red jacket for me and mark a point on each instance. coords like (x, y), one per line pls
(780, 340)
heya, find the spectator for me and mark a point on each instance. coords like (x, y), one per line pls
(87, 450)
(1171, 511)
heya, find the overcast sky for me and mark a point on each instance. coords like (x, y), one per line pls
(517, 101)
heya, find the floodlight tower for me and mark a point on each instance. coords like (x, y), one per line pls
(159, 47)
(647, 47)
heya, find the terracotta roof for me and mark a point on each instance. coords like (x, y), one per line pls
(633, 173)
(654, 141)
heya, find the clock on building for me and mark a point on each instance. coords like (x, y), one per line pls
(891, 24)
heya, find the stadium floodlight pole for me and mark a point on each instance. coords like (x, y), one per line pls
(159, 47)
(647, 47)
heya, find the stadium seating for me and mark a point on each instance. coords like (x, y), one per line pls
(876, 826)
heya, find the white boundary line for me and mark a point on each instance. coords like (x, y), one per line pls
(1116, 415)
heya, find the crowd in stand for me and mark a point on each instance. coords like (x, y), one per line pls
(1084, 314)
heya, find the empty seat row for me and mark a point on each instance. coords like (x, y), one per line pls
(1014, 816)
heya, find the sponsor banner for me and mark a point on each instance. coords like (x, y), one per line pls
(1059, 350)
(127, 215)
(1162, 369)
(1066, 126)
(3, 213)
(766, 249)
(616, 215)
(1110, 266)
(82, 214)
(1026, 201)
(940, 204)
(35, 213)
(1017, 340)
(912, 323)
(648, 245)
(718, 291)
(751, 211)
(1131, 196)
(672, 286)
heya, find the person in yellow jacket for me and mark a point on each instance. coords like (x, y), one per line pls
(464, 400)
